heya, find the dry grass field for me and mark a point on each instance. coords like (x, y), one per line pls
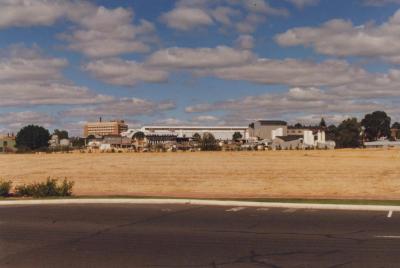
(371, 174)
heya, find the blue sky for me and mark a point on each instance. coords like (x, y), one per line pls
(220, 62)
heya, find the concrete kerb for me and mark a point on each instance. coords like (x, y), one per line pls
(199, 202)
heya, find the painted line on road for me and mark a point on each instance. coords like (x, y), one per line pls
(235, 209)
(388, 236)
(390, 213)
(289, 210)
(145, 201)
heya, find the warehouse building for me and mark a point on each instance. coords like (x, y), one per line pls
(219, 132)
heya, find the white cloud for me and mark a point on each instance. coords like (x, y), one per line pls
(121, 108)
(108, 32)
(199, 57)
(302, 3)
(13, 121)
(290, 72)
(182, 18)
(22, 13)
(245, 42)
(341, 38)
(205, 118)
(125, 73)
(380, 2)
(261, 6)
(29, 78)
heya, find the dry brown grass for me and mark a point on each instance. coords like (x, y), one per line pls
(372, 174)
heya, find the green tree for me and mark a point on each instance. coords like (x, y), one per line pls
(331, 132)
(62, 134)
(376, 125)
(78, 142)
(237, 136)
(209, 143)
(348, 134)
(298, 125)
(32, 137)
(396, 125)
(196, 137)
(322, 124)
(139, 135)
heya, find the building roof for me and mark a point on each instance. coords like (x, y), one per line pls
(272, 122)
(290, 137)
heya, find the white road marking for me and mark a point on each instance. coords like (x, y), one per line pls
(390, 213)
(290, 210)
(388, 236)
(262, 209)
(235, 209)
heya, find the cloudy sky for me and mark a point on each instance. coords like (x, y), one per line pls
(209, 62)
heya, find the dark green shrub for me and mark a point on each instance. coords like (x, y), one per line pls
(5, 187)
(44, 189)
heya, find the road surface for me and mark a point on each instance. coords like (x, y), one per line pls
(195, 236)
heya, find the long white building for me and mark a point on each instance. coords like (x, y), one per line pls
(219, 132)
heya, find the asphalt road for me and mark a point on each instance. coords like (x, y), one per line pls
(195, 236)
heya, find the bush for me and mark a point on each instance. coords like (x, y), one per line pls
(5, 187)
(44, 189)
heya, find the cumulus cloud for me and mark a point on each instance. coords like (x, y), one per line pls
(341, 38)
(245, 42)
(182, 18)
(291, 72)
(199, 57)
(242, 15)
(121, 108)
(302, 3)
(15, 120)
(97, 31)
(27, 77)
(108, 32)
(288, 105)
(125, 73)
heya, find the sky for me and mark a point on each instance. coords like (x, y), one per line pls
(196, 62)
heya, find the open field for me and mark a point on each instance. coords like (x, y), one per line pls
(369, 174)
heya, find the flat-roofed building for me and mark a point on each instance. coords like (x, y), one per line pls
(268, 129)
(105, 128)
(7, 143)
(219, 132)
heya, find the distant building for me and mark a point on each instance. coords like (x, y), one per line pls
(268, 129)
(167, 132)
(7, 143)
(394, 133)
(105, 128)
(382, 144)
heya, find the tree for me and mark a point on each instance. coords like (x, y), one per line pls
(237, 136)
(33, 137)
(62, 134)
(298, 125)
(331, 132)
(396, 125)
(139, 135)
(348, 134)
(322, 124)
(196, 137)
(78, 142)
(376, 125)
(209, 143)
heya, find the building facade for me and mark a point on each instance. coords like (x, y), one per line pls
(7, 143)
(105, 128)
(268, 129)
(219, 132)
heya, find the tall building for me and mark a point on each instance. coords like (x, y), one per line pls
(105, 128)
